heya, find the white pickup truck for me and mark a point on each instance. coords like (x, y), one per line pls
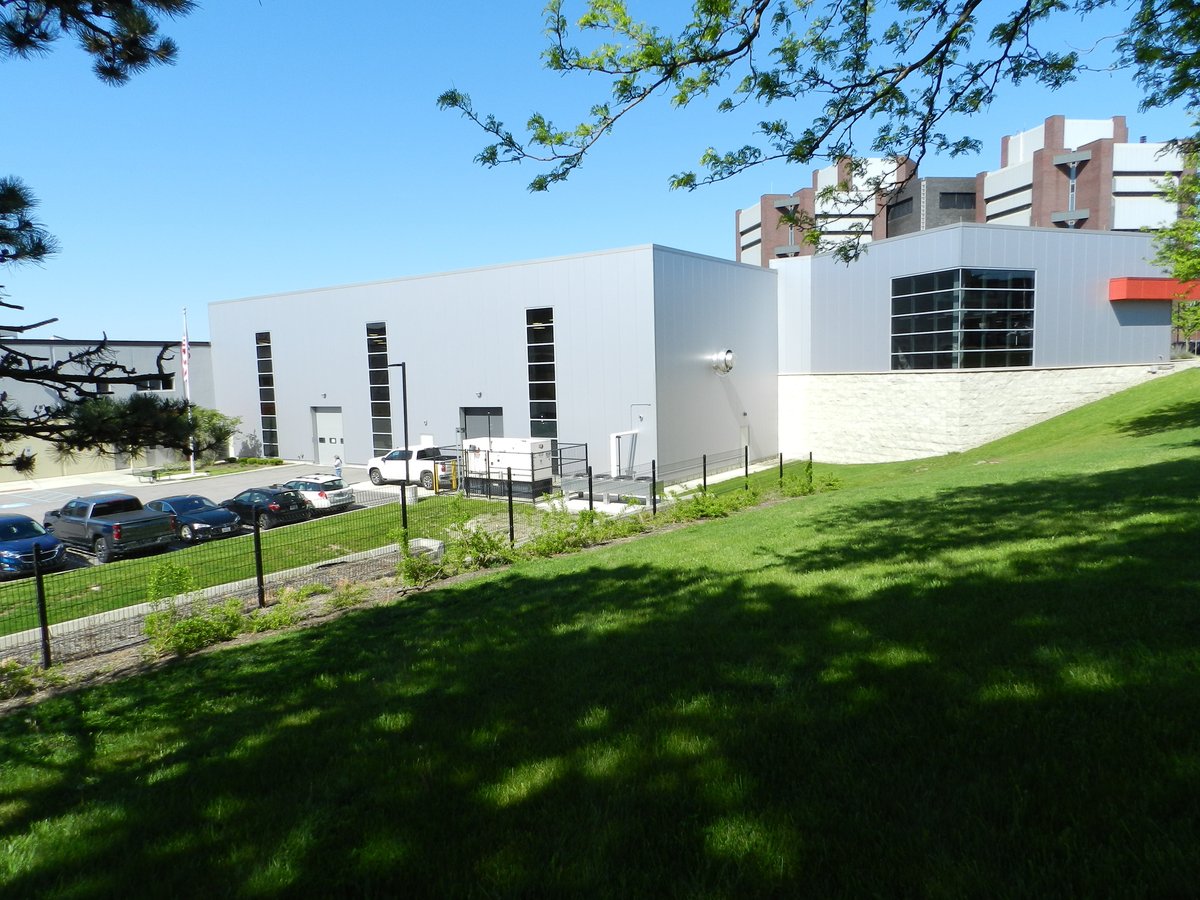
(427, 465)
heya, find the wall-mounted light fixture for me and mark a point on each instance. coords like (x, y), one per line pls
(722, 362)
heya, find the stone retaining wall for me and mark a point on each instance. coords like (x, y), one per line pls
(892, 416)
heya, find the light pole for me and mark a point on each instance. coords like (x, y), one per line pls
(403, 367)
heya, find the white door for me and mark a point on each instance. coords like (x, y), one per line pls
(327, 434)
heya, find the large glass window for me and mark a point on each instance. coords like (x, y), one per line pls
(963, 319)
(379, 382)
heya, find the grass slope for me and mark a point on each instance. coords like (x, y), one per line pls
(975, 675)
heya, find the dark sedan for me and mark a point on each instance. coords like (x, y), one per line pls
(19, 536)
(271, 506)
(198, 518)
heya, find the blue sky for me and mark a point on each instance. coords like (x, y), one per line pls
(294, 146)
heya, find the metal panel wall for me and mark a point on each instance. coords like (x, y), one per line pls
(849, 314)
(704, 306)
(462, 335)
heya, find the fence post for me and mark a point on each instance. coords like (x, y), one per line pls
(512, 537)
(258, 565)
(43, 619)
(704, 470)
(591, 496)
(654, 487)
(403, 507)
(781, 470)
(746, 465)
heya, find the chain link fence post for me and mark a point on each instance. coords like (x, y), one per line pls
(654, 487)
(512, 534)
(43, 619)
(258, 565)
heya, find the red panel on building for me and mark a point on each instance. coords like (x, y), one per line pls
(1152, 289)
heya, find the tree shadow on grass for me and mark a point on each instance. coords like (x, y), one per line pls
(1086, 515)
(1175, 417)
(1021, 723)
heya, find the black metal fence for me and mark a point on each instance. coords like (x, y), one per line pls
(90, 608)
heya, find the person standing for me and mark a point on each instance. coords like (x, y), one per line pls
(337, 466)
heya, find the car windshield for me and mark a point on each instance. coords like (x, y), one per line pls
(191, 504)
(333, 484)
(20, 529)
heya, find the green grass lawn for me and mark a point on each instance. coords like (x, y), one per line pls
(977, 675)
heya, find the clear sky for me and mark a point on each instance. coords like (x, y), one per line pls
(297, 144)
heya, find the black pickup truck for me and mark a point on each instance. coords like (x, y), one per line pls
(110, 525)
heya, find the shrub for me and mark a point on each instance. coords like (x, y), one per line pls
(420, 569)
(16, 679)
(285, 611)
(831, 483)
(346, 594)
(562, 532)
(709, 505)
(169, 579)
(189, 626)
(472, 547)
(797, 486)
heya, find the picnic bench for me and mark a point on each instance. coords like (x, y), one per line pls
(147, 474)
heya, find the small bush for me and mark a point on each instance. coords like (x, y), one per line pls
(185, 627)
(472, 547)
(830, 483)
(420, 569)
(797, 486)
(169, 578)
(709, 505)
(285, 611)
(16, 679)
(179, 623)
(562, 532)
(346, 594)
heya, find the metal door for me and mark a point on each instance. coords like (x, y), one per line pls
(481, 421)
(327, 434)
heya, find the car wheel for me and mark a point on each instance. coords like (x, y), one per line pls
(427, 480)
(264, 521)
(103, 550)
(377, 477)
(186, 533)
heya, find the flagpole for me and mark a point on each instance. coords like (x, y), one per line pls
(186, 352)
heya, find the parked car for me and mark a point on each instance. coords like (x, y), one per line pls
(198, 518)
(271, 506)
(110, 525)
(424, 465)
(19, 536)
(323, 493)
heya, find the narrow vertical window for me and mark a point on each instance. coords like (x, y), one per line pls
(543, 398)
(266, 394)
(378, 381)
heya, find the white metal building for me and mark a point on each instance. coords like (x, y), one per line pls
(574, 349)
(935, 341)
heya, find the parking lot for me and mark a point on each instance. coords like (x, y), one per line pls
(46, 494)
(42, 495)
